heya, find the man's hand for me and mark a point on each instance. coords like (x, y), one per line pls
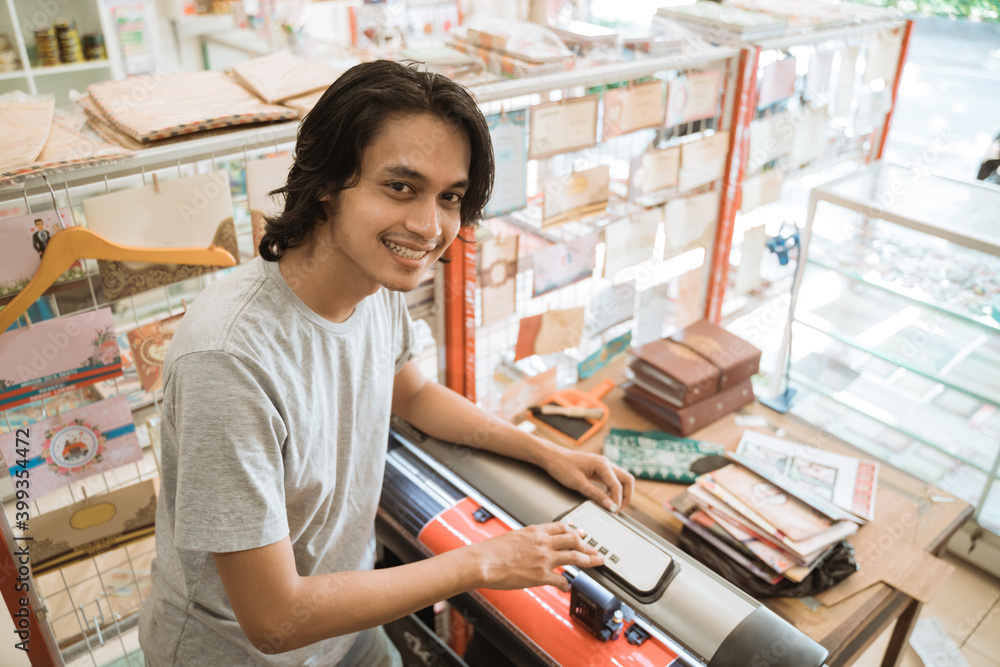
(581, 471)
(528, 557)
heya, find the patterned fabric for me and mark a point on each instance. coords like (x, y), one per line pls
(280, 76)
(169, 105)
(24, 126)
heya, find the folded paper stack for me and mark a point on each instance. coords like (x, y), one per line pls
(692, 378)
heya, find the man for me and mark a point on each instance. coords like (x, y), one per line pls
(40, 237)
(278, 389)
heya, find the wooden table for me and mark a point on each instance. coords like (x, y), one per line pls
(849, 627)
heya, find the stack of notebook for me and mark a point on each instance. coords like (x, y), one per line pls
(767, 529)
(692, 378)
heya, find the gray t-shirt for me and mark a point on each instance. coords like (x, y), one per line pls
(275, 423)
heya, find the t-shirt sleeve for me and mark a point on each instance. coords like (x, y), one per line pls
(409, 341)
(230, 475)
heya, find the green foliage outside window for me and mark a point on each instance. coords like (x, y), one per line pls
(976, 10)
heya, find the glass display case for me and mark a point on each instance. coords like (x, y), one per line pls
(896, 345)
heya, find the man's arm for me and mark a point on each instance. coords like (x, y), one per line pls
(446, 415)
(279, 610)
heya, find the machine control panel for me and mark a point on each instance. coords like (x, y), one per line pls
(630, 558)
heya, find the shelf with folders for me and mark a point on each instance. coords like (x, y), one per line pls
(608, 242)
(894, 324)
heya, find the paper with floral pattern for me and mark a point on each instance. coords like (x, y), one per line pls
(69, 447)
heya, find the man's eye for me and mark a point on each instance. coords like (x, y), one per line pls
(453, 197)
(398, 187)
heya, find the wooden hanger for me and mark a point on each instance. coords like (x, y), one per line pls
(75, 243)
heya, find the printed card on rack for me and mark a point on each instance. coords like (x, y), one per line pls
(553, 331)
(689, 222)
(498, 278)
(633, 108)
(56, 356)
(564, 126)
(762, 188)
(190, 212)
(846, 76)
(692, 97)
(74, 445)
(564, 263)
(509, 135)
(703, 161)
(630, 241)
(882, 57)
(264, 176)
(778, 83)
(770, 138)
(149, 349)
(611, 306)
(819, 75)
(654, 170)
(575, 195)
(809, 141)
(23, 238)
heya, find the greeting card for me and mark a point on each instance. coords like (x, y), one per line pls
(56, 356)
(74, 445)
(819, 75)
(703, 161)
(633, 108)
(498, 278)
(651, 315)
(553, 331)
(777, 82)
(23, 240)
(149, 349)
(846, 76)
(689, 222)
(692, 97)
(563, 126)
(610, 351)
(654, 170)
(809, 141)
(509, 134)
(263, 176)
(882, 57)
(762, 188)
(611, 306)
(770, 138)
(630, 240)
(575, 195)
(93, 525)
(564, 263)
(193, 211)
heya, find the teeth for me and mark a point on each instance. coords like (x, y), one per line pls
(404, 252)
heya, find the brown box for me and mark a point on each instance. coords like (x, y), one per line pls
(734, 357)
(686, 420)
(680, 373)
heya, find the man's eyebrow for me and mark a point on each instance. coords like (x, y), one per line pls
(402, 171)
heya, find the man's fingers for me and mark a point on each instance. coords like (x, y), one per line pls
(569, 541)
(610, 479)
(628, 484)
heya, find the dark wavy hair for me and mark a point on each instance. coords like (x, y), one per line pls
(348, 119)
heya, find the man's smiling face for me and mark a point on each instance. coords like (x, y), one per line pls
(406, 207)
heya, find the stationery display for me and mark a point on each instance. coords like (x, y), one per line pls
(181, 103)
(692, 97)
(563, 126)
(656, 455)
(725, 19)
(263, 177)
(513, 48)
(149, 350)
(92, 526)
(498, 278)
(147, 216)
(74, 445)
(24, 238)
(55, 356)
(632, 108)
(847, 482)
(509, 132)
(280, 76)
(576, 195)
(552, 331)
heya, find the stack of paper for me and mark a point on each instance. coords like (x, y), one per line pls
(766, 528)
